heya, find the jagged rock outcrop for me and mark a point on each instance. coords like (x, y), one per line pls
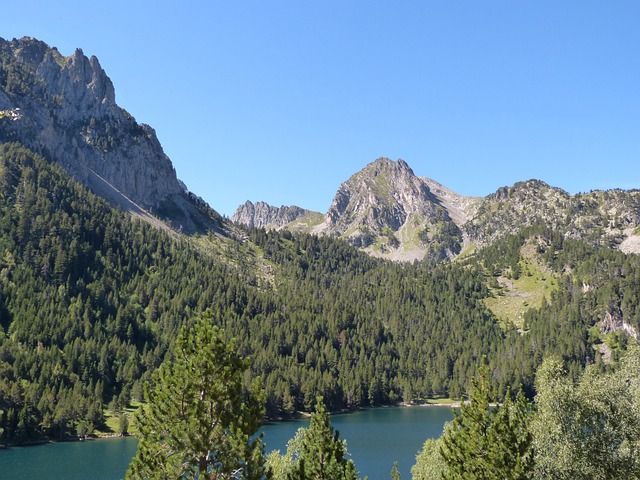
(69, 114)
(614, 321)
(262, 214)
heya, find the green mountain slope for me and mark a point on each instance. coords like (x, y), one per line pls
(91, 299)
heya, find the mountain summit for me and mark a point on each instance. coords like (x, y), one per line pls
(385, 206)
(70, 115)
(384, 209)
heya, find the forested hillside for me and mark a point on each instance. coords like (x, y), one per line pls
(594, 310)
(91, 300)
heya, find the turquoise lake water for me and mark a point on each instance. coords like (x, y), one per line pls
(375, 438)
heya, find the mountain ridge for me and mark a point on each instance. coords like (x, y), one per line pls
(70, 116)
(388, 211)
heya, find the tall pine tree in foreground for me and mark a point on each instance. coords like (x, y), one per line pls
(323, 455)
(199, 418)
(486, 443)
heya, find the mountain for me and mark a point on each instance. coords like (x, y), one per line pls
(262, 214)
(607, 218)
(91, 299)
(384, 209)
(388, 211)
(70, 116)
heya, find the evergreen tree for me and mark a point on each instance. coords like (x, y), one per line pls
(123, 425)
(323, 454)
(484, 443)
(510, 441)
(199, 420)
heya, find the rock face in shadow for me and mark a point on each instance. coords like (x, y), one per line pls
(69, 114)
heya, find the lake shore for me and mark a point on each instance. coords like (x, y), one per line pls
(268, 421)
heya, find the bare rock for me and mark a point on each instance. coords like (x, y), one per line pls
(70, 116)
(262, 214)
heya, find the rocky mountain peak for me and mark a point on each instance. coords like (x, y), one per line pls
(383, 194)
(262, 214)
(388, 210)
(70, 116)
(384, 209)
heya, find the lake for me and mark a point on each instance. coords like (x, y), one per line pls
(376, 438)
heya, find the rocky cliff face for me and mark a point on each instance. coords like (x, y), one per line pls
(262, 214)
(69, 114)
(383, 194)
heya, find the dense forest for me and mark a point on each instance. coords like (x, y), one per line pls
(91, 301)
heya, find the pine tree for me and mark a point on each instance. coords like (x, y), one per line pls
(466, 442)
(123, 425)
(510, 440)
(395, 473)
(199, 420)
(485, 443)
(323, 454)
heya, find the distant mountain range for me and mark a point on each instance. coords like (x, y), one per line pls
(70, 116)
(388, 211)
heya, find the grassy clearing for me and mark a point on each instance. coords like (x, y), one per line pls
(244, 256)
(112, 421)
(512, 298)
(441, 401)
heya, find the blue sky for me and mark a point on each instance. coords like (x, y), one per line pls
(282, 101)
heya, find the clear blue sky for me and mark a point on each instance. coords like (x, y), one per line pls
(282, 101)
